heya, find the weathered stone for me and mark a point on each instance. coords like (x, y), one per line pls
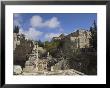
(16, 40)
(35, 65)
(61, 65)
(58, 72)
(17, 69)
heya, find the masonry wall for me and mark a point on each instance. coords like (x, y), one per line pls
(21, 49)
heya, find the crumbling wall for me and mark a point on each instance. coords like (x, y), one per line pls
(22, 50)
(61, 65)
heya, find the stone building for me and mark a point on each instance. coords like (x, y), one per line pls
(58, 38)
(81, 38)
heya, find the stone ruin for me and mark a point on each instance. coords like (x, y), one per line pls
(34, 64)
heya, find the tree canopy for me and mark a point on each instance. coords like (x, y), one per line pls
(16, 29)
(93, 39)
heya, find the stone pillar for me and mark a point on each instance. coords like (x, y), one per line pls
(37, 50)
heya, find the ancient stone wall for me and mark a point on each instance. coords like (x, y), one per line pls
(35, 66)
(61, 65)
(16, 40)
(21, 49)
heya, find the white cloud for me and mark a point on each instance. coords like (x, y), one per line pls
(32, 33)
(21, 31)
(38, 21)
(49, 36)
(52, 23)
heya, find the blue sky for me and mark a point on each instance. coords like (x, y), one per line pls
(44, 26)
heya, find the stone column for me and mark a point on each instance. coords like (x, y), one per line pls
(37, 50)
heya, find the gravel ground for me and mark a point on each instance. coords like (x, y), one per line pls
(59, 72)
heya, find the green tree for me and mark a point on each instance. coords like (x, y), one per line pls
(93, 39)
(67, 49)
(40, 43)
(16, 29)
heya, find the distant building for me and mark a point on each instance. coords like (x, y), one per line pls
(58, 38)
(80, 38)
